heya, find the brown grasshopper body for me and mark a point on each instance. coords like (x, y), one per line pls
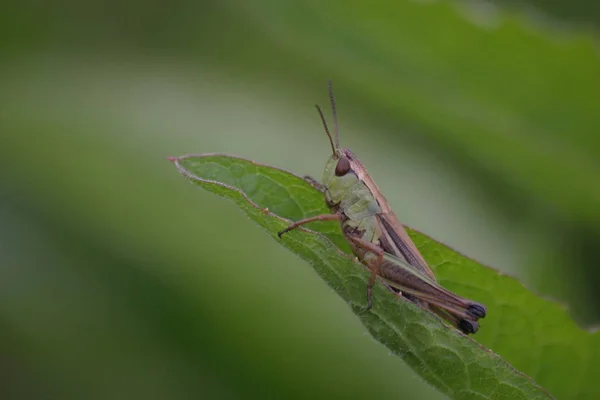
(380, 241)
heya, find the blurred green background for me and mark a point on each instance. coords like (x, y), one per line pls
(121, 280)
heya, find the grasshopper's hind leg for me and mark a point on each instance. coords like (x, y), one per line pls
(373, 265)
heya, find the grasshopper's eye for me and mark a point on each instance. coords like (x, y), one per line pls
(342, 167)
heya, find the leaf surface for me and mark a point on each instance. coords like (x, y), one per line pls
(535, 335)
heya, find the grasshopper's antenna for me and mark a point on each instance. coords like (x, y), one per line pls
(326, 128)
(334, 112)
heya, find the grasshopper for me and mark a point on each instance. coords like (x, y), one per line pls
(379, 240)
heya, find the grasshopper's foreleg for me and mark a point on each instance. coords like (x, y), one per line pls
(314, 183)
(372, 264)
(323, 217)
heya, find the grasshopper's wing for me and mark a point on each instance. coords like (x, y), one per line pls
(396, 242)
(426, 292)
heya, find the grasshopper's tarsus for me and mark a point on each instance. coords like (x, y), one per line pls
(286, 230)
(369, 297)
(280, 233)
(370, 290)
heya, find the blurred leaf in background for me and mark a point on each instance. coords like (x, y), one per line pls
(119, 280)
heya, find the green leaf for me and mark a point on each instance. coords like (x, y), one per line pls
(535, 334)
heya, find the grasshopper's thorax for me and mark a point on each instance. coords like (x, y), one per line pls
(345, 188)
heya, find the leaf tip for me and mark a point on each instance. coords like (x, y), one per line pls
(172, 159)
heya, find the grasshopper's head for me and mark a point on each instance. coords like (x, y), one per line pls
(339, 175)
